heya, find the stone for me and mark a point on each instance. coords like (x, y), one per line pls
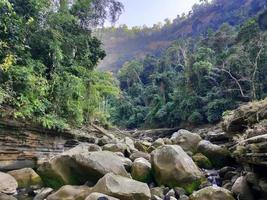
(142, 145)
(43, 193)
(130, 144)
(99, 196)
(202, 161)
(94, 147)
(140, 154)
(158, 143)
(187, 140)
(6, 197)
(122, 188)
(171, 193)
(80, 168)
(173, 167)
(8, 184)
(184, 197)
(118, 147)
(212, 193)
(68, 192)
(218, 156)
(141, 170)
(242, 189)
(26, 177)
(157, 191)
(103, 141)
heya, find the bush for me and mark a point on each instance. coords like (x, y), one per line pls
(216, 108)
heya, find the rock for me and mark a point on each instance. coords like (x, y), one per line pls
(202, 161)
(184, 197)
(157, 191)
(218, 155)
(122, 188)
(118, 147)
(140, 154)
(212, 193)
(68, 192)
(173, 167)
(78, 169)
(8, 184)
(99, 196)
(130, 144)
(158, 143)
(142, 145)
(43, 194)
(94, 147)
(171, 193)
(238, 120)
(26, 177)
(187, 140)
(155, 197)
(6, 197)
(141, 170)
(103, 141)
(242, 189)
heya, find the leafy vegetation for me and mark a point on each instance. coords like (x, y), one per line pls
(47, 61)
(195, 80)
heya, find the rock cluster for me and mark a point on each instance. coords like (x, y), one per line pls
(211, 165)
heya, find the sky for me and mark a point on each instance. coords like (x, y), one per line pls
(149, 12)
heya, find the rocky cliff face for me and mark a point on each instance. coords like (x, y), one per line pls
(28, 146)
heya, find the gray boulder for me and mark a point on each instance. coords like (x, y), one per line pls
(187, 140)
(173, 167)
(212, 193)
(122, 188)
(8, 184)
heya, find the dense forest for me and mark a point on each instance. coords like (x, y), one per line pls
(49, 51)
(48, 56)
(196, 79)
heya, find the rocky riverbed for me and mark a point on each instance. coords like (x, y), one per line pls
(223, 162)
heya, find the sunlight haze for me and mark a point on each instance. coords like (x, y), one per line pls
(149, 12)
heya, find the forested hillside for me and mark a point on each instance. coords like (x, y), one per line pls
(123, 44)
(196, 79)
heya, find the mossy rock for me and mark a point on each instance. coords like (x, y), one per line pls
(202, 161)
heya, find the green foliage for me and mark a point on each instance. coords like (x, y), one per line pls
(195, 80)
(47, 61)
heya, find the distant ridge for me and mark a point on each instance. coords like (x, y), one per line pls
(122, 44)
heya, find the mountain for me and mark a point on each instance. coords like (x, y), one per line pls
(123, 44)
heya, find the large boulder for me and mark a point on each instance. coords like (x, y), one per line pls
(116, 147)
(242, 189)
(99, 196)
(8, 184)
(173, 167)
(141, 170)
(212, 193)
(219, 156)
(122, 188)
(139, 154)
(6, 197)
(187, 140)
(68, 192)
(26, 177)
(84, 167)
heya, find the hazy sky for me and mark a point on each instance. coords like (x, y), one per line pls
(149, 12)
